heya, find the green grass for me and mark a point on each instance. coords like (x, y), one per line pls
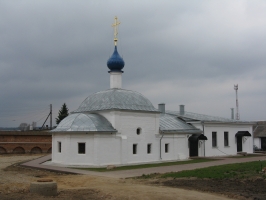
(247, 156)
(239, 170)
(198, 160)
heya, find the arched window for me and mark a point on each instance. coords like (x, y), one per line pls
(138, 131)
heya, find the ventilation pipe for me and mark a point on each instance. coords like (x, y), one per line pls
(182, 109)
(161, 107)
(232, 113)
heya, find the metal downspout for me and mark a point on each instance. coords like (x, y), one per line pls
(202, 123)
(161, 145)
(253, 131)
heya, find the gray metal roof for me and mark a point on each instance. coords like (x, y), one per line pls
(189, 116)
(170, 123)
(116, 99)
(84, 122)
(260, 129)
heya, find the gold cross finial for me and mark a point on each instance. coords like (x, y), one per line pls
(115, 25)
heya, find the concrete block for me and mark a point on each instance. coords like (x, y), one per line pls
(44, 188)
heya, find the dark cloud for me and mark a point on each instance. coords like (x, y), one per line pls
(179, 52)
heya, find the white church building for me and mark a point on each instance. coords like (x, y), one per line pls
(122, 127)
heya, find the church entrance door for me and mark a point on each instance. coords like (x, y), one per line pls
(193, 148)
(239, 144)
(194, 144)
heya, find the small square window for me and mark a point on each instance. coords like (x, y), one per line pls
(134, 148)
(81, 148)
(149, 148)
(166, 148)
(59, 147)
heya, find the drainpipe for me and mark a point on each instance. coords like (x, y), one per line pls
(254, 132)
(202, 123)
(161, 145)
(255, 129)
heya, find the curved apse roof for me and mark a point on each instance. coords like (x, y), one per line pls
(84, 122)
(116, 99)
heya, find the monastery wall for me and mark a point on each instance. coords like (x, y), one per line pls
(25, 142)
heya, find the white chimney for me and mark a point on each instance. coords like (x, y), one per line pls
(182, 109)
(161, 107)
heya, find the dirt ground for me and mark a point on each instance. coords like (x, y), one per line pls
(254, 189)
(15, 181)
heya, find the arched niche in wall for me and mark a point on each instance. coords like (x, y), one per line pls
(2, 150)
(18, 150)
(36, 150)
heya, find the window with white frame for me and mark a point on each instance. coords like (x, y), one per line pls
(226, 140)
(214, 139)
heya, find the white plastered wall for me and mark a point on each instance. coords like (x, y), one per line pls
(101, 148)
(115, 79)
(127, 123)
(220, 128)
(117, 148)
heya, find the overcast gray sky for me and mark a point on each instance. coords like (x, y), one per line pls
(176, 52)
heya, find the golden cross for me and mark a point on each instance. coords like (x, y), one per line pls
(115, 25)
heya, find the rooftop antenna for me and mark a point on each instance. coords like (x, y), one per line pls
(237, 111)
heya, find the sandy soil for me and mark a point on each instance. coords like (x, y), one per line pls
(15, 181)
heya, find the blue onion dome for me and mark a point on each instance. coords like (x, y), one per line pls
(115, 62)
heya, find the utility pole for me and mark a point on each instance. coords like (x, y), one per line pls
(237, 111)
(51, 121)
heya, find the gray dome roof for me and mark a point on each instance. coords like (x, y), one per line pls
(84, 122)
(116, 99)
